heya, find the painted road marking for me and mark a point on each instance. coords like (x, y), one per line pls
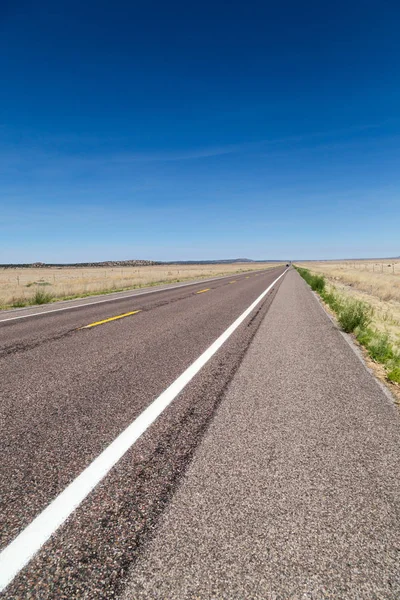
(19, 552)
(233, 281)
(203, 291)
(134, 312)
(163, 289)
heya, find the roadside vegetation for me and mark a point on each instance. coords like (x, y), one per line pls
(27, 286)
(374, 282)
(377, 279)
(357, 317)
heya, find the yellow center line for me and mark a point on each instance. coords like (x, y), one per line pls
(233, 281)
(248, 277)
(134, 312)
(202, 291)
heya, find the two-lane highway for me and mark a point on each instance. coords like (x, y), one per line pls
(73, 379)
(29, 326)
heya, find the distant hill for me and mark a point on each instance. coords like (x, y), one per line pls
(106, 263)
(135, 263)
(220, 261)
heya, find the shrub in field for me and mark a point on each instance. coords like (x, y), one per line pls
(318, 283)
(352, 314)
(41, 297)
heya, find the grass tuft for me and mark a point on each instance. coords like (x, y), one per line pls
(41, 297)
(394, 375)
(18, 302)
(378, 345)
(332, 299)
(316, 282)
(352, 314)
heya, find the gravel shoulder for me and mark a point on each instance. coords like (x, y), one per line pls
(294, 491)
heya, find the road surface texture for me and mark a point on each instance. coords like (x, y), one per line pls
(294, 490)
(67, 393)
(274, 474)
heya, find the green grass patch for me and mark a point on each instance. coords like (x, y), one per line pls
(332, 299)
(41, 297)
(316, 282)
(378, 345)
(19, 302)
(352, 314)
(394, 375)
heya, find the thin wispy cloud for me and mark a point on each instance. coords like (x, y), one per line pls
(52, 147)
(178, 155)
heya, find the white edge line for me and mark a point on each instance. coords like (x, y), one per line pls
(20, 551)
(147, 291)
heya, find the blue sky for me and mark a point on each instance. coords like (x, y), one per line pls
(199, 131)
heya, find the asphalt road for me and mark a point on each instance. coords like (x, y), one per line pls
(67, 392)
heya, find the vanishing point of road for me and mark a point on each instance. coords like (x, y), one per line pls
(212, 440)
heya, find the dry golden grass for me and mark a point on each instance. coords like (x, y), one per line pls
(19, 285)
(375, 282)
(380, 278)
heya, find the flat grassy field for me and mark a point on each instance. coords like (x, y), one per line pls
(23, 286)
(376, 282)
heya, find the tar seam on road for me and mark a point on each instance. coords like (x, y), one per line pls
(22, 549)
(47, 312)
(128, 314)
